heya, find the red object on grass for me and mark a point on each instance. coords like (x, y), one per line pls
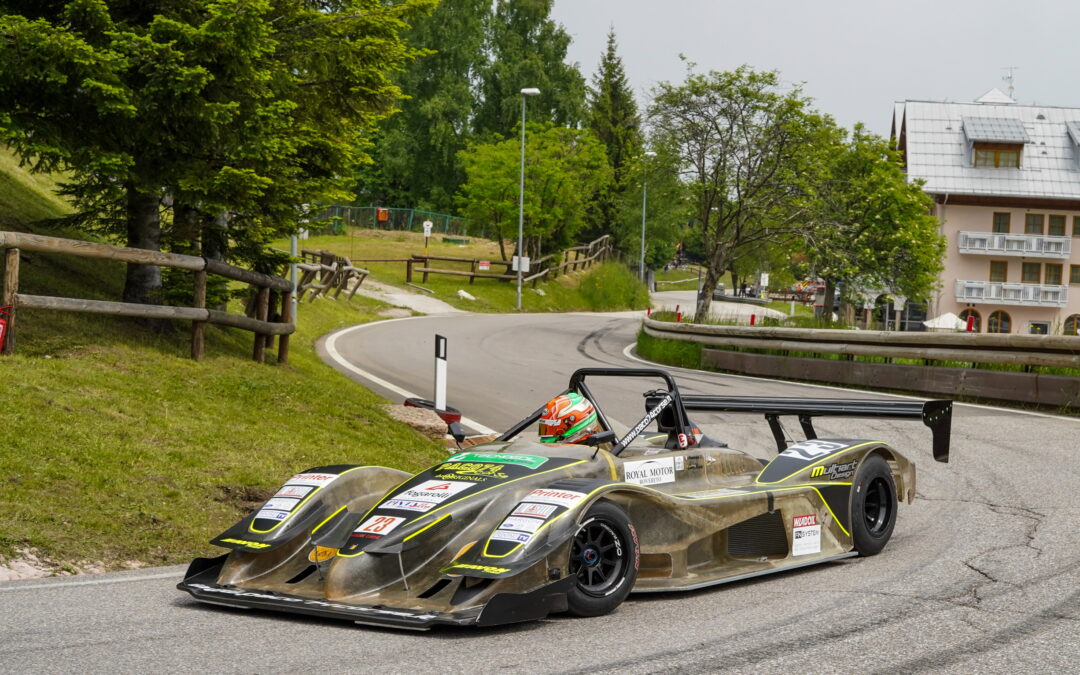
(753, 319)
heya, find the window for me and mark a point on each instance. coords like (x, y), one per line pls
(999, 322)
(976, 325)
(1057, 226)
(997, 155)
(1072, 325)
(1074, 274)
(1001, 223)
(1030, 273)
(1053, 275)
(1033, 223)
(999, 271)
(1039, 327)
(1076, 226)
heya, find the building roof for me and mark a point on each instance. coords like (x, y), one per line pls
(937, 141)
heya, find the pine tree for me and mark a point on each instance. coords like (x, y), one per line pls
(613, 118)
(527, 49)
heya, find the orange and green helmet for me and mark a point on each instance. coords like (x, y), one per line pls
(570, 418)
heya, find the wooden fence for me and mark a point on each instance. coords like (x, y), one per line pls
(263, 328)
(1026, 351)
(571, 260)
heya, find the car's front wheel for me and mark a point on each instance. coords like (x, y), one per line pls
(873, 505)
(604, 557)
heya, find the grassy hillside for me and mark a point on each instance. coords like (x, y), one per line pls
(118, 447)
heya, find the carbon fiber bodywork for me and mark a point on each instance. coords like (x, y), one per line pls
(485, 537)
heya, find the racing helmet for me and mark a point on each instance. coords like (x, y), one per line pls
(569, 418)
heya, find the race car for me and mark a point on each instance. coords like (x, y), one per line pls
(516, 529)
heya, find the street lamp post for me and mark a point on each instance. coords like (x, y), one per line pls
(644, 193)
(528, 91)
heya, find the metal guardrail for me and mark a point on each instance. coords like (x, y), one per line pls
(1027, 350)
(1022, 350)
(199, 315)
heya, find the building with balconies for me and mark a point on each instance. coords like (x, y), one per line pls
(1005, 179)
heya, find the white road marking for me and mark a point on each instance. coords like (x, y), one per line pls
(331, 350)
(632, 357)
(93, 582)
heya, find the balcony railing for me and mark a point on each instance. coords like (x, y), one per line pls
(990, 292)
(1036, 245)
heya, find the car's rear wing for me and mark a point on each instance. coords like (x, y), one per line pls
(936, 414)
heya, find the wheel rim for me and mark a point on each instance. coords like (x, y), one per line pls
(877, 507)
(596, 557)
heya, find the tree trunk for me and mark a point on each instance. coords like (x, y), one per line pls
(827, 302)
(143, 282)
(215, 237)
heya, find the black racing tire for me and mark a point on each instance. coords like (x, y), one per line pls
(873, 506)
(604, 558)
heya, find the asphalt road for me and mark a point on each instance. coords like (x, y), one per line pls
(981, 574)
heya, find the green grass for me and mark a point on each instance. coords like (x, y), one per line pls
(678, 353)
(565, 294)
(128, 450)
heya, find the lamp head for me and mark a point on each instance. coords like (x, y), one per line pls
(530, 91)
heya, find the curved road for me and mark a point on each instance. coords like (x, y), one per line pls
(981, 574)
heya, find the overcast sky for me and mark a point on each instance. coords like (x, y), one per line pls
(854, 57)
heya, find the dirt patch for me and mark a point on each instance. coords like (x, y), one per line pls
(30, 563)
(244, 497)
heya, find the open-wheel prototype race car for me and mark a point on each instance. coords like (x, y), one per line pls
(516, 529)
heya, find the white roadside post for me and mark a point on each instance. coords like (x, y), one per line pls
(519, 262)
(440, 373)
(427, 235)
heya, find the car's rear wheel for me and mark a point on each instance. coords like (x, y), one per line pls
(873, 505)
(604, 559)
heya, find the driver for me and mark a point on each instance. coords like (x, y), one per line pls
(569, 418)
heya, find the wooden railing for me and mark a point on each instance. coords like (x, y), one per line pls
(263, 328)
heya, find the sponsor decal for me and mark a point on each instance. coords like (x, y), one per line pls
(646, 421)
(379, 525)
(835, 471)
(282, 503)
(535, 510)
(680, 463)
(650, 471)
(407, 505)
(312, 479)
(321, 554)
(294, 491)
(530, 461)
(812, 449)
(683, 443)
(487, 569)
(249, 544)
(271, 514)
(507, 535)
(311, 603)
(436, 491)
(472, 469)
(522, 524)
(805, 535)
(565, 498)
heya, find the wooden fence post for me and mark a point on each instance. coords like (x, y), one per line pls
(198, 328)
(408, 271)
(262, 309)
(11, 287)
(286, 317)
